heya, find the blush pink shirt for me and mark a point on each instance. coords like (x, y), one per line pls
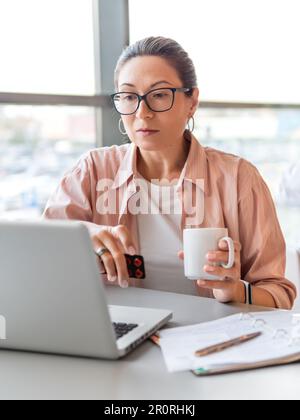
(235, 196)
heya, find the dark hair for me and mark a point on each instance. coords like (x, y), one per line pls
(165, 48)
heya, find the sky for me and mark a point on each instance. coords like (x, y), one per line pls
(244, 50)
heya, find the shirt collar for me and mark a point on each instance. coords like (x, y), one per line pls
(127, 167)
(195, 169)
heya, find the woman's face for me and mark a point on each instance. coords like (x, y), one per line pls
(141, 75)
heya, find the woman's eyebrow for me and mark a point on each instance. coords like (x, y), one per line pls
(152, 86)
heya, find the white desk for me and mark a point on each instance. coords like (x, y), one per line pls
(142, 374)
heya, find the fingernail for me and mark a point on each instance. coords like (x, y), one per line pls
(113, 279)
(209, 268)
(211, 256)
(124, 284)
(131, 250)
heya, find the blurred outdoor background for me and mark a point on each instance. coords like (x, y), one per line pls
(56, 72)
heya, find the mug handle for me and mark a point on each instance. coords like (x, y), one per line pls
(231, 260)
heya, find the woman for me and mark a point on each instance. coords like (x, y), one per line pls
(157, 97)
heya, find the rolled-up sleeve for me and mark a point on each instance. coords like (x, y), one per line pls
(72, 198)
(263, 255)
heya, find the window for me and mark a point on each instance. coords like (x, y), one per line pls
(57, 65)
(244, 51)
(38, 145)
(268, 138)
(47, 46)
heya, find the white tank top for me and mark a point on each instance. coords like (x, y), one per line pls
(161, 239)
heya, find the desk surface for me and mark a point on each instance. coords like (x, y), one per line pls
(142, 374)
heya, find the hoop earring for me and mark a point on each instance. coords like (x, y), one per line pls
(120, 127)
(188, 124)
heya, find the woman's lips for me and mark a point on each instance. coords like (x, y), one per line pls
(146, 133)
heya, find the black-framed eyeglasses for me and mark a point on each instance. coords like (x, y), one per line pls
(157, 100)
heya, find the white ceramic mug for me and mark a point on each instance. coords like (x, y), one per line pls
(197, 242)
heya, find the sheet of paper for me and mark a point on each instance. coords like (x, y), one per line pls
(278, 340)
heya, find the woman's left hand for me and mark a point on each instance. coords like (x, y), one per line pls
(228, 288)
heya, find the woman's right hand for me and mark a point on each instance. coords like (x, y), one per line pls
(118, 241)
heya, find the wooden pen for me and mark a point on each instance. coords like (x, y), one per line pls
(226, 344)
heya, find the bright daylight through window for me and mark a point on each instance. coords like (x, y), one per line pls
(49, 52)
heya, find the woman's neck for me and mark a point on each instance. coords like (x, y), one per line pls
(163, 164)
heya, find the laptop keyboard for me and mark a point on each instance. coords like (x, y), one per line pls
(121, 328)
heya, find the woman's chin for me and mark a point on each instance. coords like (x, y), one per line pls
(149, 144)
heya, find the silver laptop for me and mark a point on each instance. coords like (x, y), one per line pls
(53, 298)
